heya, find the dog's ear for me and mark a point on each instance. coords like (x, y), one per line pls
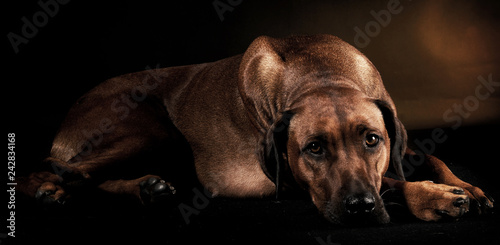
(262, 88)
(261, 81)
(397, 135)
(274, 160)
(273, 154)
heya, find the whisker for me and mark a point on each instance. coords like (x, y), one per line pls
(393, 204)
(381, 195)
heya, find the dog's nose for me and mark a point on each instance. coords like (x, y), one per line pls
(359, 203)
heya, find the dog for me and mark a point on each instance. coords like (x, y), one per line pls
(306, 113)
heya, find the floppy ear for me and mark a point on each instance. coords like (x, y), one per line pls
(260, 81)
(273, 151)
(274, 160)
(397, 135)
(261, 87)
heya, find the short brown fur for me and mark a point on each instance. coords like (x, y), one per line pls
(315, 100)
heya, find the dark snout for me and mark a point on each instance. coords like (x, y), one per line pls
(359, 204)
(356, 208)
(363, 207)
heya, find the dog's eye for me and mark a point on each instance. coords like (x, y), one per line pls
(315, 148)
(372, 140)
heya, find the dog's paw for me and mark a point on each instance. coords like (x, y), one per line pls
(50, 194)
(481, 202)
(432, 202)
(155, 190)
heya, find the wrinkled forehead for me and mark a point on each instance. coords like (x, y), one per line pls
(344, 110)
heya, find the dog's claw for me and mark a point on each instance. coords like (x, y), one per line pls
(489, 197)
(459, 202)
(40, 194)
(481, 202)
(49, 194)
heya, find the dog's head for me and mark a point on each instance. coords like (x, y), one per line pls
(325, 121)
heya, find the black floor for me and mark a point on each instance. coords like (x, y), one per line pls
(226, 221)
(469, 151)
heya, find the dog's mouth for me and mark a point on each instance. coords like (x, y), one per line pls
(358, 219)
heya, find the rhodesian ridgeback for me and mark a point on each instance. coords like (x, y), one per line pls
(308, 113)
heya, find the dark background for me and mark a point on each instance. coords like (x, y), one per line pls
(430, 56)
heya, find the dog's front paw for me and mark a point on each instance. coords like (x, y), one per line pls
(432, 202)
(50, 194)
(481, 202)
(156, 190)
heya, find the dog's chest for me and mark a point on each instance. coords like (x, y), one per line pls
(233, 178)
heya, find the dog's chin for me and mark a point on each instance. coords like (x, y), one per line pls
(378, 217)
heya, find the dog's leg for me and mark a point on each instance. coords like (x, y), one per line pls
(438, 172)
(113, 170)
(433, 191)
(87, 155)
(41, 185)
(47, 186)
(430, 201)
(149, 189)
(51, 186)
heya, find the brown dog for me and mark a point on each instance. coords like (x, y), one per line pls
(303, 112)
